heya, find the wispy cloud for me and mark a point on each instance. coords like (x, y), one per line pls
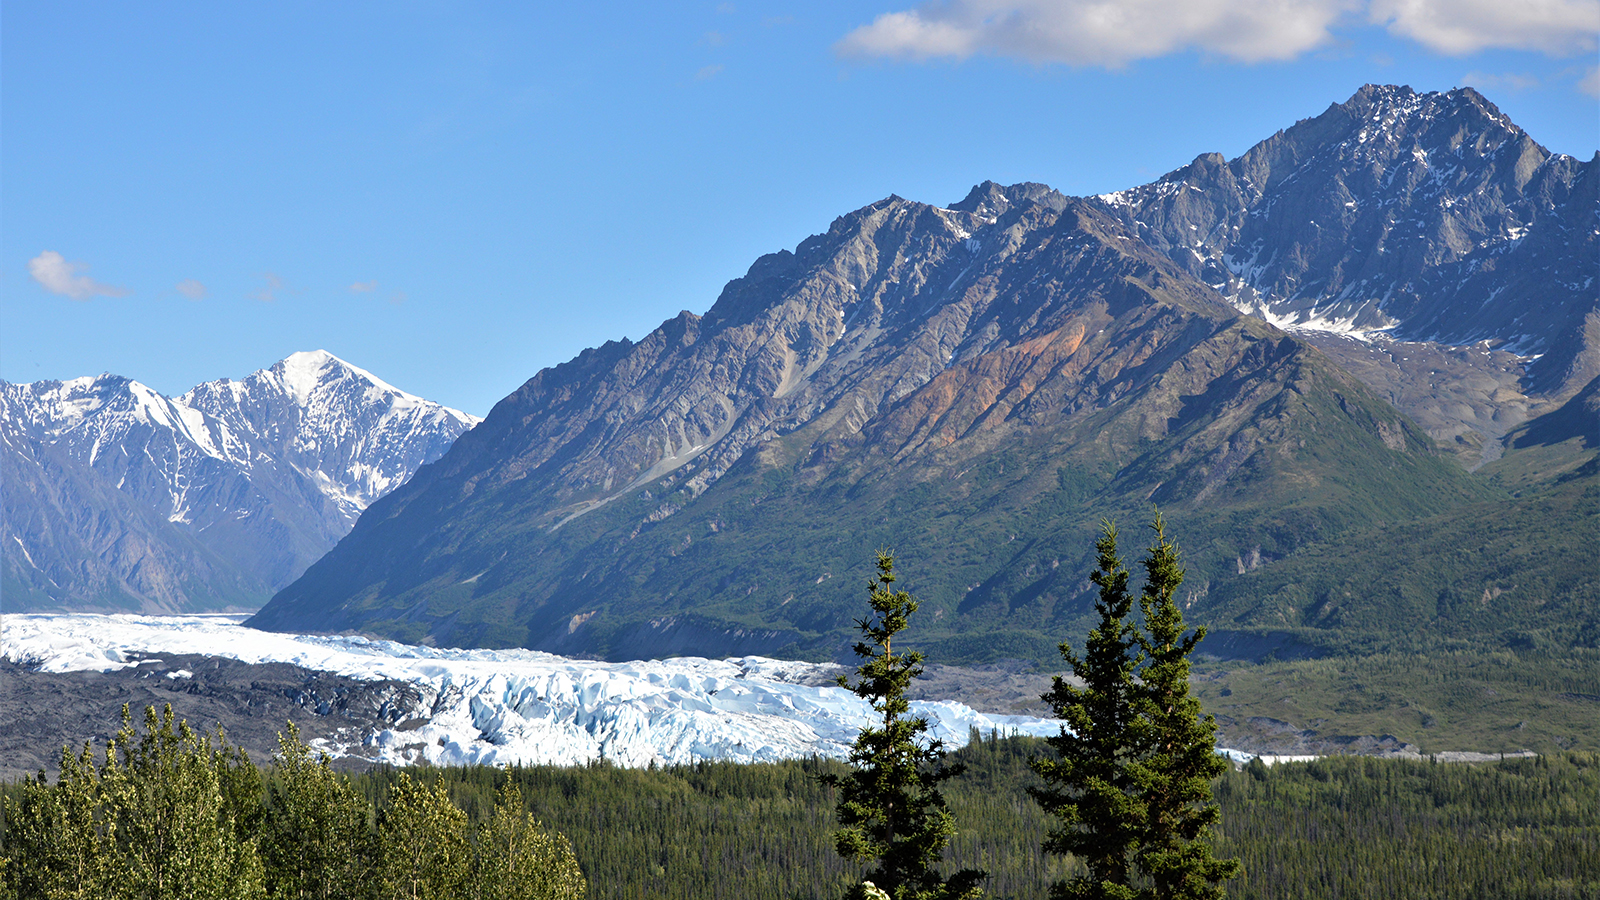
(397, 298)
(274, 287)
(1503, 81)
(1590, 83)
(1112, 33)
(1106, 33)
(713, 39)
(707, 73)
(192, 289)
(363, 287)
(58, 276)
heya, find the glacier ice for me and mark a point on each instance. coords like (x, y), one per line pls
(497, 707)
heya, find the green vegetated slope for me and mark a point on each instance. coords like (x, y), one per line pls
(1518, 570)
(1340, 827)
(1478, 628)
(980, 431)
(1477, 699)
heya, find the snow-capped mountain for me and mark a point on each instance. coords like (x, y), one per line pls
(118, 496)
(977, 384)
(1424, 217)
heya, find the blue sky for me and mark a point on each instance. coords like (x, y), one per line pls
(456, 195)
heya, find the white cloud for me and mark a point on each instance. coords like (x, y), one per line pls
(58, 276)
(192, 289)
(707, 73)
(1098, 32)
(1590, 82)
(1111, 33)
(363, 287)
(1458, 27)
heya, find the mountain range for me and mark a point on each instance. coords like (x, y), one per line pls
(1301, 355)
(119, 498)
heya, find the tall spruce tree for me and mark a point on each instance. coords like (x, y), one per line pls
(891, 810)
(1132, 785)
(1089, 787)
(1177, 759)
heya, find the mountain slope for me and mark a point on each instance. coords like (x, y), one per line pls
(118, 497)
(1516, 570)
(971, 385)
(1402, 217)
(975, 386)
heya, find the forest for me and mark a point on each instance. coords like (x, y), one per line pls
(1130, 799)
(1339, 827)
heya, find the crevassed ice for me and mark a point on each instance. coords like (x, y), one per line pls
(521, 706)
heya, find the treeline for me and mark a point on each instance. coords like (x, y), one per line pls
(1341, 827)
(169, 813)
(1364, 827)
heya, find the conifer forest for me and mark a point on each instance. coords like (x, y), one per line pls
(1129, 801)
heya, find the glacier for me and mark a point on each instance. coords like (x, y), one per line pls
(498, 707)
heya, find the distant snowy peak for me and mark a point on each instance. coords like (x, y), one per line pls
(316, 379)
(350, 432)
(91, 414)
(268, 471)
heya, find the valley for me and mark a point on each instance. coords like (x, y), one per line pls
(1376, 441)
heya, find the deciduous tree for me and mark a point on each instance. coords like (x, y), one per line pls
(317, 837)
(423, 838)
(517, 859)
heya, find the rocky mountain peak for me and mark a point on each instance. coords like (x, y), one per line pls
(1394, 214)
(990, 200)
(258, 476)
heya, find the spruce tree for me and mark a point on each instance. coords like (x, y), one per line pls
(1089, 788)
(892, 813)
(1176, 746)
(1132, 785)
